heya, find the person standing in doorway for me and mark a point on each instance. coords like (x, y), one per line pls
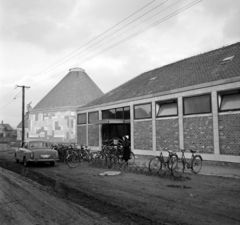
(126, 148)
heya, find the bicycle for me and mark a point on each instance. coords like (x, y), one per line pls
(195, 164)
(157, 162)
(73, 157)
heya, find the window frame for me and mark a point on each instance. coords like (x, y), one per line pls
(78, 123)
(194, 96)
(92, 113)
(134, 115)
(221, 94)
(165, 102)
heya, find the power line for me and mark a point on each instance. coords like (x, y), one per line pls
(92, 40)
(11, 101)
(144, 29)
(112, 33)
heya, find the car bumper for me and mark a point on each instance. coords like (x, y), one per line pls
(42, 160)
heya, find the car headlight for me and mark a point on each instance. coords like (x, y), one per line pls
(32, 155)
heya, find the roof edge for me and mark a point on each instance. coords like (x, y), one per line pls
(174, 91)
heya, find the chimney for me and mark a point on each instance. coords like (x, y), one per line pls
(2, 121)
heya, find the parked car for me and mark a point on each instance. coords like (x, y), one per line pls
(34, 151)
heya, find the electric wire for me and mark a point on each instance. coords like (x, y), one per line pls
(141, 31)
(135, 34)
(113, 33)
(91, 40)
(11, 101)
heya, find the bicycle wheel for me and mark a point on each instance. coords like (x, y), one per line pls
(132, 159)
(172, 162)
(155, 165)
(196, 164)
(178, 168)
(73, 160)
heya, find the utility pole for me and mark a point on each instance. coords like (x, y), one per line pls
(23, 110)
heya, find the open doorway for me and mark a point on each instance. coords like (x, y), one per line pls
(110, 131)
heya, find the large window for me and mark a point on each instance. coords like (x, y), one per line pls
(82, 118)
(197, 104)
(166, 108)
(143, 111)
(92, 116)
(118, 113)
(229, 100)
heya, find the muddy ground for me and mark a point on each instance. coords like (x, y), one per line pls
(133, 198)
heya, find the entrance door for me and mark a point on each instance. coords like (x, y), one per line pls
(110, 131)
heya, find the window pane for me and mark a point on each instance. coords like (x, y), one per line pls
(112, 114)
(126, 113)
(93, 116)
(82, 118)
(105, 114)
(119, 113)
(198, 104)
(230, 102)
(142, 111)
(167, 109)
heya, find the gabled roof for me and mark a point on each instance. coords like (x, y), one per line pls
(7, 127)
(74, 90)
(200, 69)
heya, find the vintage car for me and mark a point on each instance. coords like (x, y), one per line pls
(36, 151)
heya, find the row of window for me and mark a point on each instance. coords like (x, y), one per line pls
(227, 101)
(117, 113)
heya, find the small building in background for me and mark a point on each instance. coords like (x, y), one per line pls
(7, 133)
(54, 117)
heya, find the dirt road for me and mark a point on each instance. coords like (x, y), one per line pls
(23, 201)
(131, 198)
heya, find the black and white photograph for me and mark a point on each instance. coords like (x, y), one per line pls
(119, 112)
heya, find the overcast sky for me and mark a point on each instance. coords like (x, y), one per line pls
(41, 40)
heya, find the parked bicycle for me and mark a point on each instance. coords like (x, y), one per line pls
(73, 156)
(195, 164)
(158, 162)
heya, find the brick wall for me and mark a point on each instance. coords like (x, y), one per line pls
(167, 134)
(143, 135)
(229, 134)
(82, 134)
(198, 133)
(93, 135)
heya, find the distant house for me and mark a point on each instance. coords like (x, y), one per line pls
(190, 104)
(54, 117)
(7, 133)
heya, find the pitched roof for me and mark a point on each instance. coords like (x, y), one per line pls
(7, 126)
(203, 68)
(25, 121)
(74, 90)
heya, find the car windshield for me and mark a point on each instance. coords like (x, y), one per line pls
(39, 144)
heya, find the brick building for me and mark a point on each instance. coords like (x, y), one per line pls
(193, 104)
(54, 117)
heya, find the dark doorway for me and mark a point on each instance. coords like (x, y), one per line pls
(110, 131)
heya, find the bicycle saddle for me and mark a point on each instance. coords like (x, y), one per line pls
(192, 151)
